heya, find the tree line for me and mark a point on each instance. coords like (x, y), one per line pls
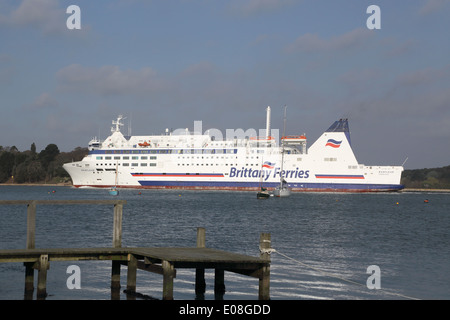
(428, 178)
(31, 166)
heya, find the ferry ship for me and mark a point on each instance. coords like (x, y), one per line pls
(192, 160)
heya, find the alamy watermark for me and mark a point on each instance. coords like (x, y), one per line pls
(230, 134)
(74, 20)
(374, 21)
(374, 280)
(74, 280)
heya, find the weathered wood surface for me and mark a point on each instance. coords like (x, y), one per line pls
(180, 256)
(63, 254)
(195, 255)
(62, 202)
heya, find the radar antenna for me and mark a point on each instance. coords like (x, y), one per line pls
(117, 123)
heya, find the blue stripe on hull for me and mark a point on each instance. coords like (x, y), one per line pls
(212, 184)
(255, 185)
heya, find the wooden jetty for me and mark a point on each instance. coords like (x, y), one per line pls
(164, 261)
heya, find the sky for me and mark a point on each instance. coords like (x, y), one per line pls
(168, 63)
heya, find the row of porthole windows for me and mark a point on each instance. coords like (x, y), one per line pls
(127, 164)
(167, 151)
(153, 164)
(217, 164)
(126, 158)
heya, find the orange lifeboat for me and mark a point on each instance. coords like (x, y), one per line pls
(145, 144)
(294, 137)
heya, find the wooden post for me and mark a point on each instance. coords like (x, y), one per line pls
(117, 243)
(219, 284)
(200, 283)
(201, 238)
(115, 278)
(31, 224)
(31, 232)
(117, 231)
(168, 275)
(131, 273)
(264, 279)
(42, 277)
(29, 280)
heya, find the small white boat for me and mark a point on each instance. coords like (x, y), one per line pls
(282, 190)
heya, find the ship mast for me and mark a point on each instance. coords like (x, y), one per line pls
(117, 123)
(268, 123)
(282, 147)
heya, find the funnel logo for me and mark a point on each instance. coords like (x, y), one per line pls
(333, 143)
(268, 165)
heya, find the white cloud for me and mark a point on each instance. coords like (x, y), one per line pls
(425, 76)
(432, 6)
(44, 101)
(109, 80)
(252, 7)
(313, 43)
(44, 15)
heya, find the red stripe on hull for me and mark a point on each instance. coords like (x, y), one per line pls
(180, 175)
(337, 177)
(324, 190)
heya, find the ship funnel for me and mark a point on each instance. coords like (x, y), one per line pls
(268, 123)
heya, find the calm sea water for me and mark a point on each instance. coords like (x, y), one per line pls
(340, 234)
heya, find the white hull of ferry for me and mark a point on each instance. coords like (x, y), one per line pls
(195, 161)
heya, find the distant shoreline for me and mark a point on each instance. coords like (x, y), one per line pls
(426, 190)
(70, 185)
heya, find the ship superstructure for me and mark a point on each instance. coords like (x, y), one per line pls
(192, 160)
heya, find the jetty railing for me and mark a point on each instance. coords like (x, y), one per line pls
(31, 215)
